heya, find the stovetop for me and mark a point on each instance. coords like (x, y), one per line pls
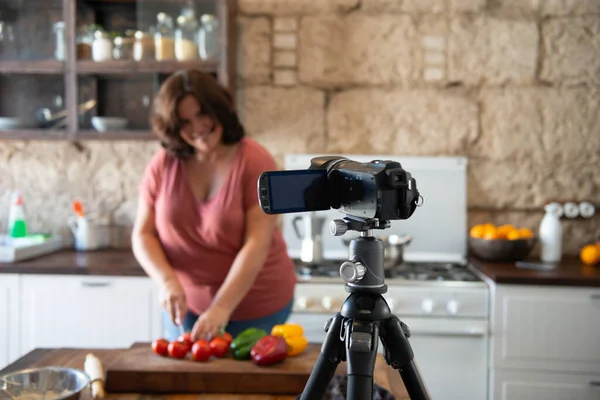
(410, 271)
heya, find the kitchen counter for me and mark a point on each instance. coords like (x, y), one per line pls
(570, 272)
(385, 376)
(121, 262)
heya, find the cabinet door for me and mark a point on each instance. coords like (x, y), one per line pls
(81, 311)
(547, 328)
(9, 311)
(524, 385)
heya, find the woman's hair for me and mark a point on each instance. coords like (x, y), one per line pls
(214, 101)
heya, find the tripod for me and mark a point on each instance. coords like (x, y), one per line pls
(352, 334)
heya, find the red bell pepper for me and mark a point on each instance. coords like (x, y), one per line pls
(269, 350)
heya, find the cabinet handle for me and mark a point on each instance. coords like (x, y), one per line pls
(595, 383)
(95, 284)
(596, 296)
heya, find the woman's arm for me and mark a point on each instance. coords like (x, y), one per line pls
(148, 252)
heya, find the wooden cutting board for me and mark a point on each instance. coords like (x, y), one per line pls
(139, 370)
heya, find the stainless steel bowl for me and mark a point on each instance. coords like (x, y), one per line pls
(45, 383)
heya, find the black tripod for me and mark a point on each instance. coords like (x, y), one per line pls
(352, 334)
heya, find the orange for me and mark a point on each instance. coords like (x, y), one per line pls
(477, 231)
(503, 231)
(513, 234)
(490, 233)
(590, 254)
(525, 233)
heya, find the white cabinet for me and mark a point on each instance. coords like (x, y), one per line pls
(87, 311)
(525, 385)
(9, 313)
(545, 343)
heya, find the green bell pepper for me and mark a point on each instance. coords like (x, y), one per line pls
(243, 343)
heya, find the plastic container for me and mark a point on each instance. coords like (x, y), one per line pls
(550, 234)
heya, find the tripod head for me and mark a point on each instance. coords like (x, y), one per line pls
(363, 271)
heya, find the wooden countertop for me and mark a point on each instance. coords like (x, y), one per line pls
(121, 262)
(570, 272)
(385, 376)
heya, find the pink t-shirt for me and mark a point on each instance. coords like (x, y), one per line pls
(202, 239)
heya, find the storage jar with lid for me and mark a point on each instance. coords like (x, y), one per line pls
(208, 37)
(163, 37)
(102, 46)
(186, 38)
(123, 48)
(143, 47)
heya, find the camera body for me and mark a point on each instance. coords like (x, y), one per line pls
(380, 189)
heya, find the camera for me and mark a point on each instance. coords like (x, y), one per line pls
(379, 189)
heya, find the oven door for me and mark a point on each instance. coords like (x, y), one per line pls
(450, 354)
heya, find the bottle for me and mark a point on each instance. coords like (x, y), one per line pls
(550, 233)
(17, 227)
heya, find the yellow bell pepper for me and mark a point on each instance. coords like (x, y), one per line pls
(296, 345)
(294, 337)
(287, 330)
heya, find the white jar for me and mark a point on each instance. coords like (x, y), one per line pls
(102, 47)
(551, 234)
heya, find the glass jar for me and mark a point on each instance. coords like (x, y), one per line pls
(123, 48)
(208, 37)
(163, 38)
(102, 46)
(59, 49)
(143, 46)
(186, 39)
(85, 39)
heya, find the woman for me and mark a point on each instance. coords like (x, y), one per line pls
(220, 261)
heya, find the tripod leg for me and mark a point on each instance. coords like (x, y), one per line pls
(332, 352)
(398, 353)
(361, 345)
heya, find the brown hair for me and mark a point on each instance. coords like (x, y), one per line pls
(214, 100)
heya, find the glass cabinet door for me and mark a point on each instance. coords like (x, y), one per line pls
(32, 30)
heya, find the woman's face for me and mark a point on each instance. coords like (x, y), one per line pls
(198, 129)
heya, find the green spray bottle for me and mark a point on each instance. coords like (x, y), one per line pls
(17, 226)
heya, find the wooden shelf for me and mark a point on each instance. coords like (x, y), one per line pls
(114, 135)
(33, 134)
(32, 67)
(127, 67)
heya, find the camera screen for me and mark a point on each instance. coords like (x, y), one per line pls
(298, 190)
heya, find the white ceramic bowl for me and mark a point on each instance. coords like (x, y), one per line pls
(105, 124)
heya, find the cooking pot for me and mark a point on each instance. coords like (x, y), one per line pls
(393, 249)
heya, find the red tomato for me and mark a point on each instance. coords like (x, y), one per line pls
(178, 349)
(227, 336)
(161, 347)
(218, 347)
(187, 339)
(201, 350)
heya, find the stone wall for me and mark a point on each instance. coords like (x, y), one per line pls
(514, 85)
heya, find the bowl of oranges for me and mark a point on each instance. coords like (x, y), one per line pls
(502, 243)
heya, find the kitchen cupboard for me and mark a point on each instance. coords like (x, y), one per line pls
(87, 311)
(545, 343)
(9, 314)
(63, 62)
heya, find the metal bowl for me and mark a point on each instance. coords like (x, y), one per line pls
(45, 383)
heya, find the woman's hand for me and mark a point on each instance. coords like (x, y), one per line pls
(210, 323)
(173, 300)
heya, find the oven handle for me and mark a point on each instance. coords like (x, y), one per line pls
(447, 328)
(473, 333)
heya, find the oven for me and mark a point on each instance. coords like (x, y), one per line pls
(433, 291)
